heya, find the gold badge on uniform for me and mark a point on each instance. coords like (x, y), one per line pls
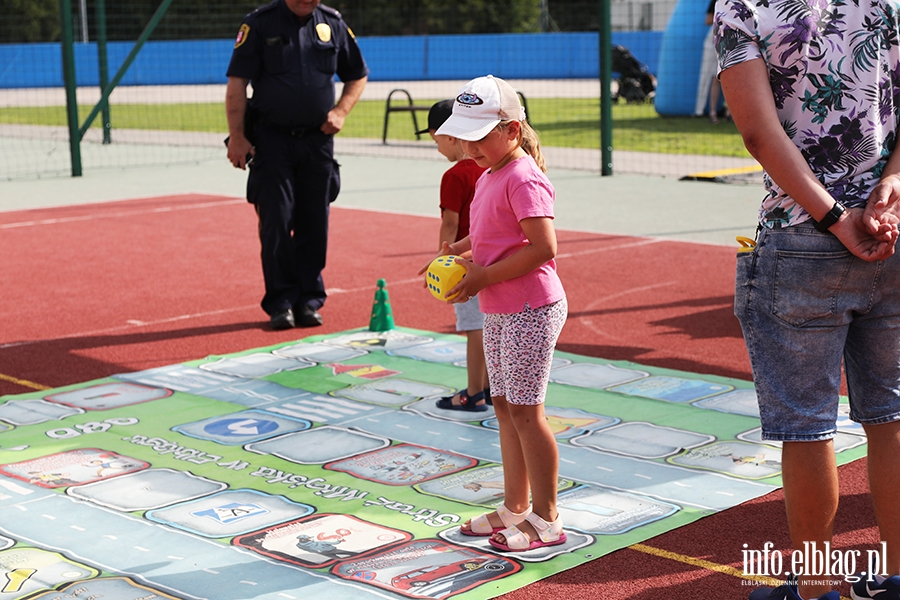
(350, 31)
(324, 32)
(242, 35)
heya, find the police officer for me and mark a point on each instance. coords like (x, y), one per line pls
(290, 50)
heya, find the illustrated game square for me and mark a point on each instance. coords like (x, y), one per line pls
(74, 467)
(321, 540)
(403, 464)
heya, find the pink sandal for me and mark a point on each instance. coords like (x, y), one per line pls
(480, 526)
(549, 534)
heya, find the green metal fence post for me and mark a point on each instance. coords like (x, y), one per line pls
(103, 66)
(68, 64)
(142, 39)
(605, 34)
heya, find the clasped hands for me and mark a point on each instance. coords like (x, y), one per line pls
(871, 233)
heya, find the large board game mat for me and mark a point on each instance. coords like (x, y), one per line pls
(322, 468)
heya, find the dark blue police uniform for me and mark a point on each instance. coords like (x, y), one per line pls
(293, 177)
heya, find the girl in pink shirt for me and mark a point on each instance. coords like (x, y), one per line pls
(512, 268)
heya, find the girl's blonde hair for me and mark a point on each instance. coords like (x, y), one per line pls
(530, 143)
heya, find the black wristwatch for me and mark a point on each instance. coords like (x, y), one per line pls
(831, 217)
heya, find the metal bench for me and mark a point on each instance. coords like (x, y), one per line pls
(409, 107)
(413, 108)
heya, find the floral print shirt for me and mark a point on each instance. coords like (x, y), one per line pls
(834, 67)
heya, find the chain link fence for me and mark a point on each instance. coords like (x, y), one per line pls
(169, 106)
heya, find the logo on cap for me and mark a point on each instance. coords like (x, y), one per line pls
(469, 98)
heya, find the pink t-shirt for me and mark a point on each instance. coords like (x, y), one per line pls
(503, 198)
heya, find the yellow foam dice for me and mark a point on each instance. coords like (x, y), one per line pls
(443, 274)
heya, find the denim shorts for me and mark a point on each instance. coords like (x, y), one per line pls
(806, 304)
(468, 315)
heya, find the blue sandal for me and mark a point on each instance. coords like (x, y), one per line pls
(466, 402)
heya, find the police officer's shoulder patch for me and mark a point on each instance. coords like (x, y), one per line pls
(243, 32)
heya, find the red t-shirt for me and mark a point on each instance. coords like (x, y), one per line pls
(457, 191)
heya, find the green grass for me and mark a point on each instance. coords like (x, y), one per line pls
(566, 122)
(208, 117)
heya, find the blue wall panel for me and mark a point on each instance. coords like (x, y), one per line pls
(512, 56)
(396, 58)
(644, 45)
(30, 65)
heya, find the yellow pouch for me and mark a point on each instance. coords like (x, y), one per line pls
(747, 244)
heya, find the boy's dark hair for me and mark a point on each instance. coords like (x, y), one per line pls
(440, 111)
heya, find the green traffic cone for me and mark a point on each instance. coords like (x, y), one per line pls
(382, 317)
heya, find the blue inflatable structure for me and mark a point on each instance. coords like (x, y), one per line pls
(679, 59)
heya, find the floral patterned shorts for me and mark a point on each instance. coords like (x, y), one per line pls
(518, 348)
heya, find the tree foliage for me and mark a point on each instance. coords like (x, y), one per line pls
(38, 20)
(434, 17)
(29, 20)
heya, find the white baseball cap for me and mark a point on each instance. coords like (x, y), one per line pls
(481, 104)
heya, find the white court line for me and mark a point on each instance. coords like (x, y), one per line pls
(636, 290)
(124, 213)
(643, 242)
(133, 324)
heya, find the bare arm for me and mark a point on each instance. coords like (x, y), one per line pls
(750, 99)
(449, 226)
(334, 122)
(235, 105)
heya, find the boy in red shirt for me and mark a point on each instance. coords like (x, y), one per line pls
(457, 190)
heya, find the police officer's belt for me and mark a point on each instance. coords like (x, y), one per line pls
(294, 131)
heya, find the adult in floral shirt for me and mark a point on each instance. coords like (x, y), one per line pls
(814, 89)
